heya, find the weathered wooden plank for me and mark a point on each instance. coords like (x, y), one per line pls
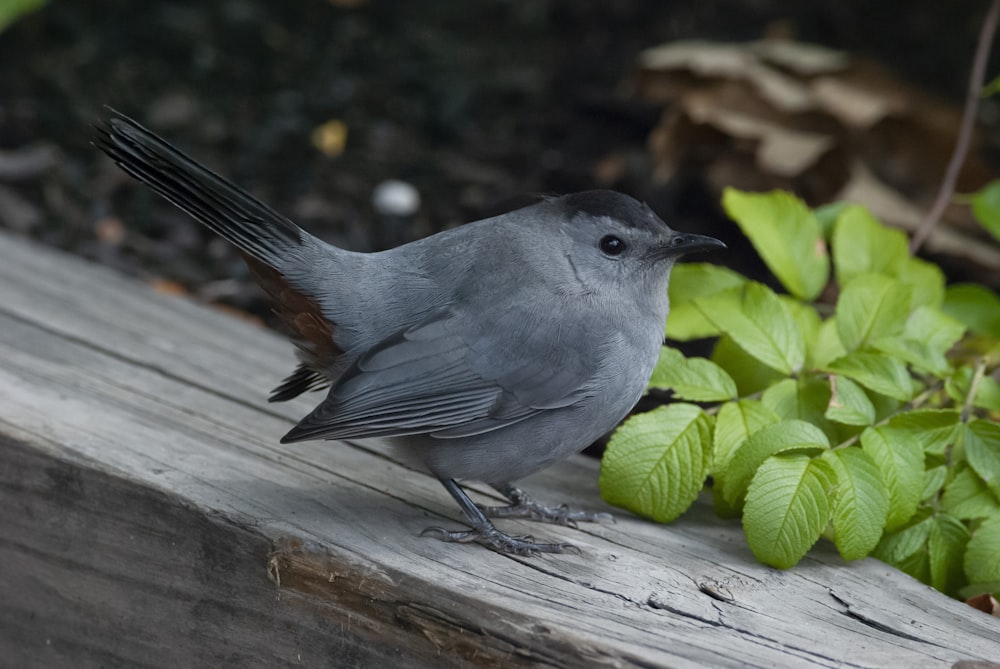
(149, 512)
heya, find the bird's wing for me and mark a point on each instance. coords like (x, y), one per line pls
(448, 379)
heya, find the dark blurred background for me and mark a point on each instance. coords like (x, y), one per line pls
(310, 105)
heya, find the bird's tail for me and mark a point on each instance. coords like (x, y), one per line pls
(220, 205)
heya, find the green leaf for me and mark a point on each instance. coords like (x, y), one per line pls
(735, 422)
(11, 10)
(827, 215)
(784, 437)
(695, 379)
(928, 335)
(901, 465)
(906, 548)
(848, 403)
(982, 554)
(885, 407)
(981, 440)
(860, 502)
(862, 245)
(809, 323)
(975, 306)
(787, 237)
(871, 306)
(750, 375)
(930, 430)
(946, 544)
(787, 508)
(688, 282)
(827, 345)
(934, 478)
(926, 282)
(968, 498)
(987, 394)
(805, 398)
(875, 371)
(656, 462)
(761, 326)
(986, 207)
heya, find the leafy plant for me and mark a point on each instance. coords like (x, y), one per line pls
(861, 406)
(12, 10)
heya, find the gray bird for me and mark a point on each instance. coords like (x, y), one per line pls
(485, 352)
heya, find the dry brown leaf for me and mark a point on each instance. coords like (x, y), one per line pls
(986, 603)
(805, 59)
(110, 230)
(854, 106)
(168, 287)
(780, 114)
(713, 59)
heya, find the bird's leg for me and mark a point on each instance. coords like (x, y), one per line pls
(483, 531)
(522, 506)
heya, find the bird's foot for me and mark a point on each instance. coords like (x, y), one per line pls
(522, 506)
(501, 542)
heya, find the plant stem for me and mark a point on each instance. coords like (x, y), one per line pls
(970, 396)
(976, 78)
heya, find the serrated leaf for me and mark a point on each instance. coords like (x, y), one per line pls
(930, 430)
(884, 406)
(934, 478)
(734, 423)
(870, 307)
(901, 465)
(761, 326)
(695, 379)
(786, 509)
(848, 403)
(933, 326)
(986, 207)
(906, 548)
(982, 554)
(975, 306)
(805, 398)
(827, 215)
(786, 235)
(783, 437)
(926, 282)
(750, 375)
(860, 502)
(827, 346)
(808, 321)
(987, 394)
(688, 282)
(655, 463)
(862, 245)
(946, 544)
(968, 498)
(981, 440)
(928, 335)
(875, 371)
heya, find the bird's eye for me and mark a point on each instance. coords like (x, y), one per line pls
(611, 245)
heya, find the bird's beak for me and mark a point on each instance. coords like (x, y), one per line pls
(683, 243)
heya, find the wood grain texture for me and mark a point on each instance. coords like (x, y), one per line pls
(150, 518)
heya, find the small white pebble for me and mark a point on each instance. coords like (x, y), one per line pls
(395, 198)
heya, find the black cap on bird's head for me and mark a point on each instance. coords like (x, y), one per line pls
(632, 213)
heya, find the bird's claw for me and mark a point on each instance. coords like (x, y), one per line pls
(501, 542)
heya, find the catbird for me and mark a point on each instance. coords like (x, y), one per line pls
(485, 352)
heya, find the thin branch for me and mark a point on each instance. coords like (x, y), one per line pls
(947, 189)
